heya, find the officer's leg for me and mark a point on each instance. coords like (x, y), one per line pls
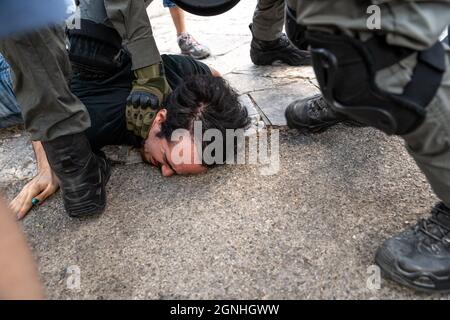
(269, 43)
(295, 32)
(42, 87)
(268, 19)
(411, 99)
(56, 117)
(430, 143)
(401, 90)
(420, 257)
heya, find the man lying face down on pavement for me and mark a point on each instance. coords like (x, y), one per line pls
(198, 94)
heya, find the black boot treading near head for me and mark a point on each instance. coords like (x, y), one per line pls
(313, 114)
(82, 174)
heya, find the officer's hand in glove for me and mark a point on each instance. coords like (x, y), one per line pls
(149, 90)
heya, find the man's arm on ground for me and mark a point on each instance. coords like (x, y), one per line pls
(40, 188)
(18, 277)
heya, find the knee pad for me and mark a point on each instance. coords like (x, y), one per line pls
(346, 68)
(295, 32)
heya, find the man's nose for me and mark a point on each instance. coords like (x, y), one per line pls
(166, 171)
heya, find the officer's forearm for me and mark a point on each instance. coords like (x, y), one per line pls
(130, 19)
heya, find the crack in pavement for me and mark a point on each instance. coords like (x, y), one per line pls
(268, 88)
(231, 50)
(272, 76)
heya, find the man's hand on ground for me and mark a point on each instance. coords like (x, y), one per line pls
(41, 187)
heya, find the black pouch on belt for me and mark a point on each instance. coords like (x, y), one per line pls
(96, 51)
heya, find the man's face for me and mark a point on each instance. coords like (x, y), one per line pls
(165, 154)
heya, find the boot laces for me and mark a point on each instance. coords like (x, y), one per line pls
(434, 227)
(318, 106)
(284, 41)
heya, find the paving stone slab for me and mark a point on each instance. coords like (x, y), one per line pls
(273, 102)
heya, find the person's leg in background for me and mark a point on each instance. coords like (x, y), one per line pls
(9, 109)
(269, 43)
(409, 65)
(268, 20)
(54, 116)
(178, 17)
(187, 43)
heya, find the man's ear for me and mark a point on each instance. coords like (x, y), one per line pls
(161, 116)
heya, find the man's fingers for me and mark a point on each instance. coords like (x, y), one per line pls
(25, 206)
(47, 193)
(15, 205)
(23, 202)
(129, 100)
(29, 202)
(23, 211)
(154, 102)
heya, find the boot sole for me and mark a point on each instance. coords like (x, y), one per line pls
(268, 58)
(322, 127)
(397, 275)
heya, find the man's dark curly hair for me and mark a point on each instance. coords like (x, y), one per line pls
(208, 99)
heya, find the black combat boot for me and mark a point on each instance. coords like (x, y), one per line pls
(265, 53)
(314, 114)
(82, 174)
(420, 256)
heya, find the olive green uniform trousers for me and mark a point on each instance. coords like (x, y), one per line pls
(412, 24)
(268, 20)
(42, 71)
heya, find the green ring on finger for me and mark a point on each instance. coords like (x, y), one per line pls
(34, 202)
